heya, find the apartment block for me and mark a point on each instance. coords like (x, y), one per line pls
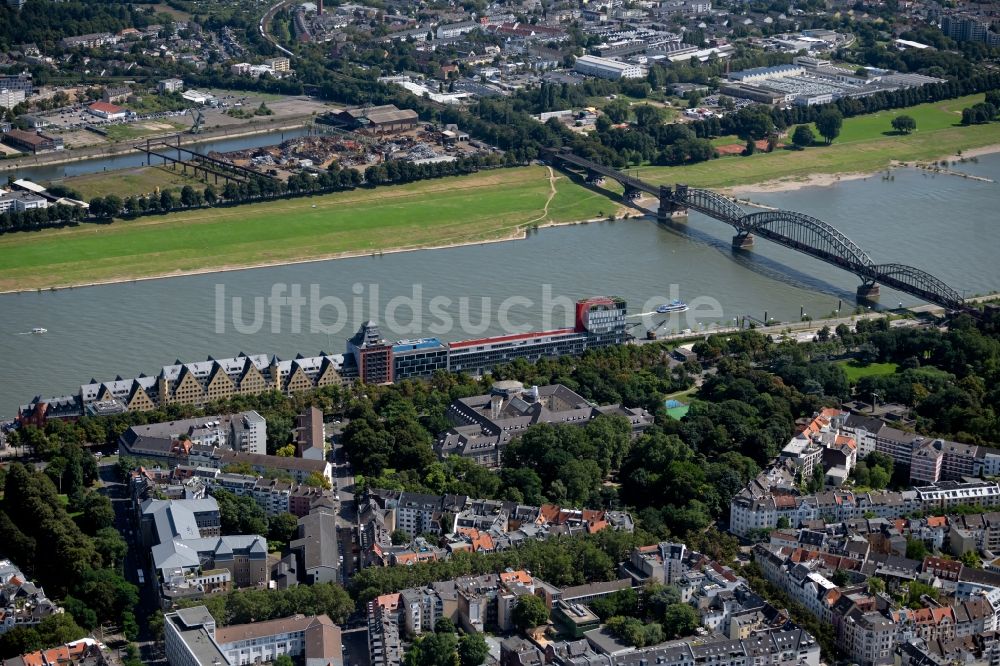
(193, 638)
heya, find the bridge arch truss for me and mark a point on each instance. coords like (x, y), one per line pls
(919, 283)
(809, 234)
(710, 203)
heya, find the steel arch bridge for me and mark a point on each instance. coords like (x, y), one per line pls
(797, 231)
(805, 234)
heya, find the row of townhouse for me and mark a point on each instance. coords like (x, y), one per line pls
(836, 440)
(867, 627)
(196, 384)
(274, 496)
(417, 513)
(466, 525)
(739, 627)
(751, 510)
(781, 646)
(169, 444)
(475, 603)
(929, 459)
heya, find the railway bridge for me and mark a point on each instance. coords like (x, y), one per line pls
(169, 150)
(797, 231)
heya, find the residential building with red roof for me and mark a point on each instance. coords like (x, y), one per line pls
(84, 652)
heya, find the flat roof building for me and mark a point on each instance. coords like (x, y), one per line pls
(18, 202)
(605, 68)
(10, 98)
(193, 638)
(170, 85)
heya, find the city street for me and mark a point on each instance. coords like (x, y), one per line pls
(343, 486)
(149, 650)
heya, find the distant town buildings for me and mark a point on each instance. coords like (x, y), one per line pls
(812, 81)
(770, 498)
(89, 41)
(835, 440)
(170, 86)
(273, 67)
(958, 625)
(737, 626)
(11, 98)
(963, 28)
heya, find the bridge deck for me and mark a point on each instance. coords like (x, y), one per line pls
(793, 230)
(625, 179)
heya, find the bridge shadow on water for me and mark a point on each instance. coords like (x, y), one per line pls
(764, 266)
(754, 261)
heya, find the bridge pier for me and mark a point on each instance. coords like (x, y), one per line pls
(632, 194)
(668, 209)
(868, 291)
(743, 241)
(594, 178)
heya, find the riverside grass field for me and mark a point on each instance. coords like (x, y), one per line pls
(482, 207)
(486, 206)
(866, 144)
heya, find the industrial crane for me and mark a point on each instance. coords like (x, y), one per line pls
(199, 120)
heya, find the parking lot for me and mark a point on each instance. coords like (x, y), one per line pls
(76, 124)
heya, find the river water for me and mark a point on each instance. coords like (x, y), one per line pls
(944, 224)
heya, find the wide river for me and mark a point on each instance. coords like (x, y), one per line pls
(947, 225)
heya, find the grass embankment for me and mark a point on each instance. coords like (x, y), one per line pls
(482, 207)
(130, 182)
(866, 144)
(856, 372)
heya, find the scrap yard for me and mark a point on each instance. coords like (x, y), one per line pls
(330, 146)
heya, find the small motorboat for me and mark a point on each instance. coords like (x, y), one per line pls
(38, 330)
